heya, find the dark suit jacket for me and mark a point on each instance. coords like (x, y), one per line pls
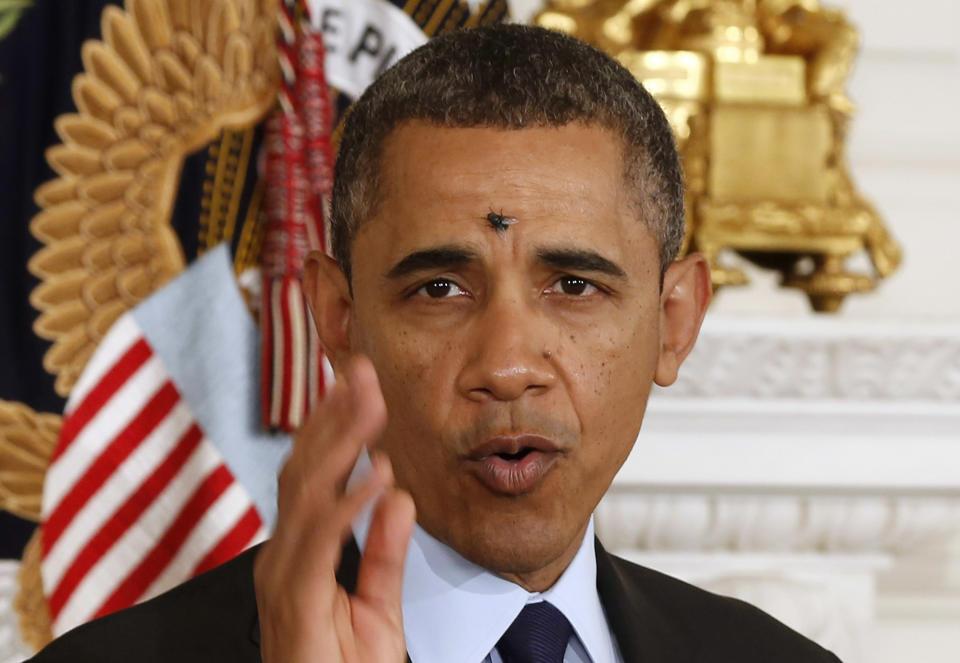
(654, 618)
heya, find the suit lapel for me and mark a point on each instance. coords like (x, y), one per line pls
(642, 632)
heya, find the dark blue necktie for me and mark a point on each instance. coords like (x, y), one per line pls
(539, 634)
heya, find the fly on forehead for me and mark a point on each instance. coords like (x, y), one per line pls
(500, 222)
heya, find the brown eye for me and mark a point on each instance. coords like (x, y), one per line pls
(440, 288)
(571, 285)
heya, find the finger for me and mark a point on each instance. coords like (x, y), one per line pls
(365, 492)
(321, 430)
(380, 576)
(334, 400)
(326, 421)
(312, 484)
(311, 540)
(353, 415)
(367, 414)
(366, 398)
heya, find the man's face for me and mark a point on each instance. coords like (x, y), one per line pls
(515, 363)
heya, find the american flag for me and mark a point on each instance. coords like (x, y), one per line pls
(137, 499)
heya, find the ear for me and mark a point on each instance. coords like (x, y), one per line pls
(683, 302)
(331, 304)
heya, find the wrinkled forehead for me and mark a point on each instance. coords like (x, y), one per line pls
(413, 145)
(533, 186)
(425, 163)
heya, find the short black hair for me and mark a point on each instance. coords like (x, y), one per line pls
(509, 76)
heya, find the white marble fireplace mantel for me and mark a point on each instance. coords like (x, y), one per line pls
(794, 463)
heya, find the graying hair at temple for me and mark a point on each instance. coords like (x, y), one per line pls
(510, 77)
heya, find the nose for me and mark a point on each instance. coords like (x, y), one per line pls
(509, 355)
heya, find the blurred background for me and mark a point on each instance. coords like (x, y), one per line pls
(808, 459)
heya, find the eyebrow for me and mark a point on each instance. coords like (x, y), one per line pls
(441, 257)
(580, 260)
(450, 257)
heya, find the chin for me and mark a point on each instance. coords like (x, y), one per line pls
(512, 544)
(512, 558)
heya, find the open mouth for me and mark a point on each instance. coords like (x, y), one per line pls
(513, 465)
(522, 453)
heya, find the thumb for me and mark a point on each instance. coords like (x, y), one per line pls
(380, 576)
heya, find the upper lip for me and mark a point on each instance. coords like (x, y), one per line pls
(511, 444)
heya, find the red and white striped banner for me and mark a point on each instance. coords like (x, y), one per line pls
(299, 181)
(136, 499)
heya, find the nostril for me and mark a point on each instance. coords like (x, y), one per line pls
(481, 394)
(500, 378)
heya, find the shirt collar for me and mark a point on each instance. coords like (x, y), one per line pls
(455, 610)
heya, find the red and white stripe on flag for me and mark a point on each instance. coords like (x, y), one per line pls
(136, 499)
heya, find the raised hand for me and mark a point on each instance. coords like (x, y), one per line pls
(305, 615)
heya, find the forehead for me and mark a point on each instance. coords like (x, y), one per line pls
(454, 161)
(562, 184)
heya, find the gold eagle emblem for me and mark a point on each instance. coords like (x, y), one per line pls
(165, 79)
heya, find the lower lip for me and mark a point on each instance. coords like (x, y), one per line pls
(513, 477)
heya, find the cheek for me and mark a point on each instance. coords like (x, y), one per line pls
(612, 361)
(415, 377)
(414, 373)
(610, 378)
(398, 353)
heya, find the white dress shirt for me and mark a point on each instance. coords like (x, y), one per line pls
(454, 610)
